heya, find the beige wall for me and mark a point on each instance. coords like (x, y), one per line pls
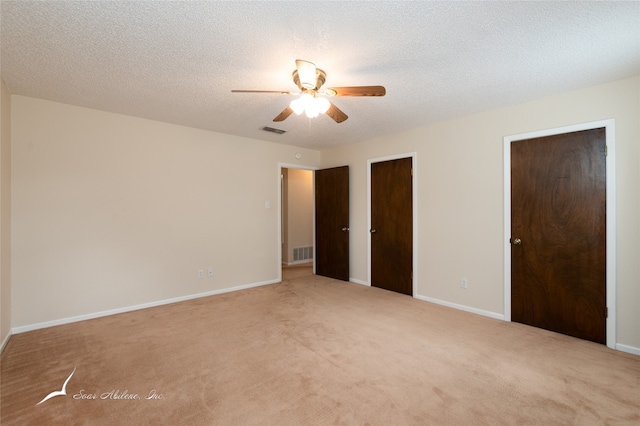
(111, 211)
(299, 219)
(5, 214)
(460, 196)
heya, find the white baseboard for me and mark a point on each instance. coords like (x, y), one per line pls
(297, 262)
(461, 307)
(620, 347)
(23, 329)
(16, 330)
(628, 349)
(4, 342)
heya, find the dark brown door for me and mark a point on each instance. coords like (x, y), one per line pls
(332, 222)
(392, 225)
(558, 233)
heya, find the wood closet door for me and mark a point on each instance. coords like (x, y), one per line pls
(332, 222)
(392, 225)
(558, 233)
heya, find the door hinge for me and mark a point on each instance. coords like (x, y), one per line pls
(606, 312)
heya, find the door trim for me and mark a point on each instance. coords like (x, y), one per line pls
(279, 213)
(414, 202)
(609, 126)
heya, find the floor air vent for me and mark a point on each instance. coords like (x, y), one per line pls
(302, 253)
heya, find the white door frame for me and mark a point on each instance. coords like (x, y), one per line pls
(414, 202)
(609, 126)
(279, 215)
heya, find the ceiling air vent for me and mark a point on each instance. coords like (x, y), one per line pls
(272, 130)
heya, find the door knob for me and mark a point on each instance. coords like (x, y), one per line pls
(373, 231)
(345, 229)
(517, 241)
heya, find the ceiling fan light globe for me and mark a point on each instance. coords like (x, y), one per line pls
(297, 106)
(306, 100)
(323, 105)
(312, 108)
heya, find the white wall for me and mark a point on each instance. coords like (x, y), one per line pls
(460, 196)
(111, 211)
(5, 214)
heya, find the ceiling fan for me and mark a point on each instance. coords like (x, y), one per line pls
(309, 79)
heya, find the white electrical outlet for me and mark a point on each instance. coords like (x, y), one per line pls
(464, 283)
(210, 271)
(200, 273)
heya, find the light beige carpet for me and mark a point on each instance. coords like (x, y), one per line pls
(313, 351)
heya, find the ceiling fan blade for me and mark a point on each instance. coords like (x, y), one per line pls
(284, 114)
(356, 91)
(336, 113)
(262, 91)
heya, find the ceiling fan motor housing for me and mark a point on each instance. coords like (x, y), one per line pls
(321, 77)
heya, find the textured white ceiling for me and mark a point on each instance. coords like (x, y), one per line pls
(178, 61)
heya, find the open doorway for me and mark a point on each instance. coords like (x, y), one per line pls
(297, 204)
